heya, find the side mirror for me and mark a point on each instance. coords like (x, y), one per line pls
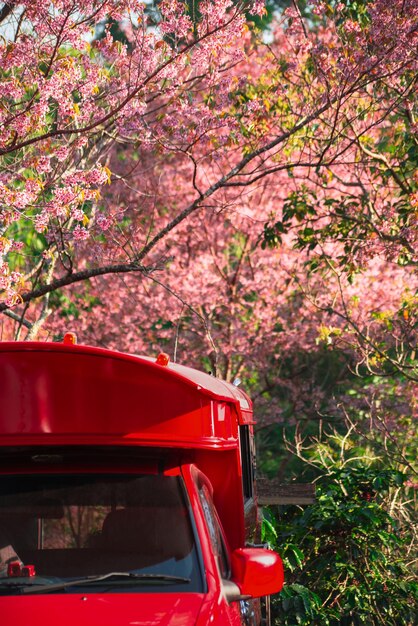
(256, 572)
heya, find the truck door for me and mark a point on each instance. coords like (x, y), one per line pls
(240, 613)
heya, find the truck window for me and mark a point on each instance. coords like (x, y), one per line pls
(247, 461)
(217, 541)
(69, 527)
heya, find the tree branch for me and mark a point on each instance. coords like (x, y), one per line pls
(77, 277)
(6, 9)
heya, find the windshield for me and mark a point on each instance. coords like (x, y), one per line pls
(125, 532)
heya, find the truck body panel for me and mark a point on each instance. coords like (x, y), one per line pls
(81, 394)
(103, 609)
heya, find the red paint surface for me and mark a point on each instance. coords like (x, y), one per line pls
(78, 395)
(110, 609)
(259, 572)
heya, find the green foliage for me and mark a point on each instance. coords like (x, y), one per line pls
(323, 374)
(350, 221)
(34, 243)
(73, 308)
(349, 556)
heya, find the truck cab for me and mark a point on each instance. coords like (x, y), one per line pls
(127, 493)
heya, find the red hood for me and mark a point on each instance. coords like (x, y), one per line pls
(168, 609)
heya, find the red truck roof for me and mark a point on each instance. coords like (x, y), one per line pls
(53, 393)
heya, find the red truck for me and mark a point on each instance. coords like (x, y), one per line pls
(127, 493)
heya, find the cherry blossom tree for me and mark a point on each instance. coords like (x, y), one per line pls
(139, 157)
(69, 98)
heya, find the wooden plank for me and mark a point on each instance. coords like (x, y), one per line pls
(273, 492)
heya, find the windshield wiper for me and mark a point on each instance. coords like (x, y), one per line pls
(7, 585)
(111, 576)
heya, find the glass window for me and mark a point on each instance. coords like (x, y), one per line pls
(74, 526)
(218, 544)
(247, 461)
